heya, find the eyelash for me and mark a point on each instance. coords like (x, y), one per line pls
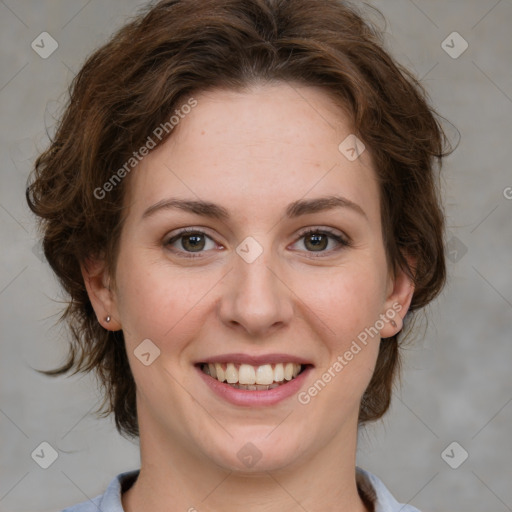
(324, 231)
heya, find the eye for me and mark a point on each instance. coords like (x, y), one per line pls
(317, 240)
(192, 241)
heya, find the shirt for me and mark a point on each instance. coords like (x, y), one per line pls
(372, 490)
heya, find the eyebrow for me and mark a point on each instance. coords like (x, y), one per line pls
(293, 210)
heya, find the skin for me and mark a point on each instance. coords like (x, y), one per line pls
(253, 152)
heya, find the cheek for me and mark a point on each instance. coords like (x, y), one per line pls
(159, 301)
(149, 302)
(348, 303)
(347, 300)
(162, 302)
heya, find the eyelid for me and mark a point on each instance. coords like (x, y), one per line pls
(326, 230)
(182, 233)
(342, 240)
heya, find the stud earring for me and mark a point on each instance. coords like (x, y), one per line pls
(107, 319)
(393, 323)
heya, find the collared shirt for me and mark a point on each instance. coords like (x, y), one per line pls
(371, 489)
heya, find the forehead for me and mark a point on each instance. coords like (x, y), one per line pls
(256, 149)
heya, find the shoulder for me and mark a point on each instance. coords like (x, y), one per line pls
(86, 506)
(110, 500)
(377, 493)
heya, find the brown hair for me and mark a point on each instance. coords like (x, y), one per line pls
(133, 83)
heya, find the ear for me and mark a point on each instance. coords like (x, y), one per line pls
(97, 283)
(399, 295)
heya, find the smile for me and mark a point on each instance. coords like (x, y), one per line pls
(253, 378)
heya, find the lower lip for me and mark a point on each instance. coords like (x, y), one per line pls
(255, 398)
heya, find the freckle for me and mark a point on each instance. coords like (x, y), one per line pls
(202, 132)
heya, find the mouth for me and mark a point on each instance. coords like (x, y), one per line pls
(253, 378)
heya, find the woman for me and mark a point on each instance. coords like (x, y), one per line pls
(241, 201)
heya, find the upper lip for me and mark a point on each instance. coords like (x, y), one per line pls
(255, 360)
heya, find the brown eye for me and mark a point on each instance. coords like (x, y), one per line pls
(317, 241)
(193, 242)
(190, 243)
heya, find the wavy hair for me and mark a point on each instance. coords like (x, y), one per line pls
(173, 48)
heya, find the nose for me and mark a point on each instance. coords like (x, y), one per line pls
(256, 298)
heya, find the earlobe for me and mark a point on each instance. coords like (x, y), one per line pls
(97, 284)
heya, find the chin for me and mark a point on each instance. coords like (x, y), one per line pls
(253, 454)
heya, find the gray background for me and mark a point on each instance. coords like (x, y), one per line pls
(457, 382)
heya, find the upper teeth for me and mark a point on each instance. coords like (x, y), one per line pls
(246, 374)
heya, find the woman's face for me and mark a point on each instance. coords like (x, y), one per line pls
(251, 291)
